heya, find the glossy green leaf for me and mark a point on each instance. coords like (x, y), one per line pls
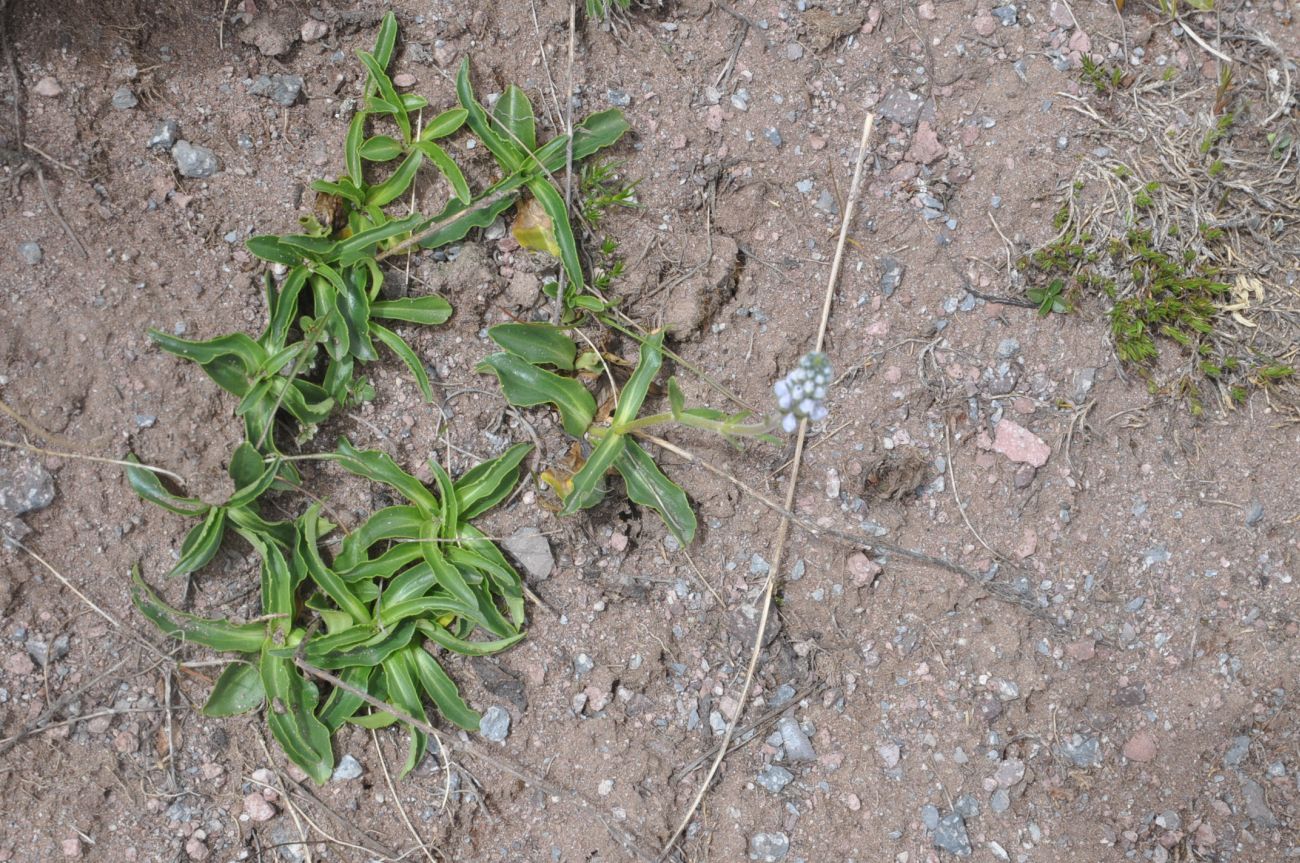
(386, 39)
(394, 522)
(352, 149)
(370, 652)
(201, 543)
(447, 497)
(676, 401)
(589, 481)
(458, 219)
(343, 188)
(434, 605)
(398, 345)
(403, 693)
(448, 576)
(429, 310)
(251, 473)
(488, 483)
(647, 486)
(510, 157)
(147, 485)
(380, 148)
(324, 578)
(363, 245)
(269, 248)
(353, 306)
(449, 169)
(291, 714)
(513, 115)
(216, 634)
(536, 343)
(593, 133)
(440, 636)
(413, 102)
(385, 565)
(238, 690)
(341, 704)
(553, 202)
(389, 94)
(444, 124)
(379, 467)
(397, 184)
(526, 385)
(320, 249)
(249, 354)
(632, 396)
(442, 690)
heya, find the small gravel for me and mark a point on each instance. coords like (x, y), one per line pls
(124, 99)
(951, 836)
(31, 253)
(774, 777)
(528, 546)
(768, 847)
(797, 745)
(495, 724)
(348, 768)
(280, 89)
(193, 161)
(164, 135)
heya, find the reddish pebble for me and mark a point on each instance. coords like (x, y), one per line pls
(1020, 444)
(257, 808)
(1141, 747)
(72, 847)
(20, 664)
(1081, 650)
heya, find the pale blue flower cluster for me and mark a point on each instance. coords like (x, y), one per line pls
(800, 394)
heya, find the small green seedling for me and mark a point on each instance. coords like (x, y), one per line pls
(1049, 298)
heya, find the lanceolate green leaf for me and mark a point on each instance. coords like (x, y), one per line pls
(402, 692)
(442, 690)
(488, 483)
(361, 246)
(201, 543)
(393, 522)
(449, 169)
(553, 202)
(269, 248)
(634, 392)
(325, 578)
(370, 652)
(444, 124)
(526, 385)
(379, 467)
(458, 219)
(589, 481)
(249, 353)
(380, 77)
(537, 343)
(216, 634)
(513, 115)
(342, 704)
(238, 690)
(147, 484)
(352, 149)
(648, 486)
(292, 717)
(594, 133)
(510, 156)
(380, 148)
(429, 310)
(397, 345)
(397, 184)
(440, 636)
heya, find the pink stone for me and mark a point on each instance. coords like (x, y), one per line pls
(1019, 444)
(1081, 650)
(926, 11)
(72, 847)
(20, 664)
(713, 118)
(862, 569)
(257, 808)
(1028, 544)
(893, 374)
(925, 146)
(1141, 747)
(985, 23)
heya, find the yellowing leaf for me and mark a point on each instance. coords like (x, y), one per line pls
(533, 229)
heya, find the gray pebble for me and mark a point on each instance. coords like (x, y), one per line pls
(793, 51)
(31, 253)
(740, 99)
(124, 99)
(1136, 603)
(758, 565)
(192, 161)
(1010, 772)
(1255, 513)
(348, 768)
(768, 847)
(164, 135)
(1008, 348)
(1000, 801)
(495, 724)
(996, 202)
(951, 836)
(280, 89)
(28, 487)
(1007, 14)
(1257, 804)
(930, 816)
(902, 107)
(804, 186)
(784, 695)
(797, 745)
(1237, 752)
(773, 135)
(891, 276)
(1081, 751)
(774, 777)
(530, 548)
(1157, 554)
(967, 806)
(1169, 820)
(618, 98)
